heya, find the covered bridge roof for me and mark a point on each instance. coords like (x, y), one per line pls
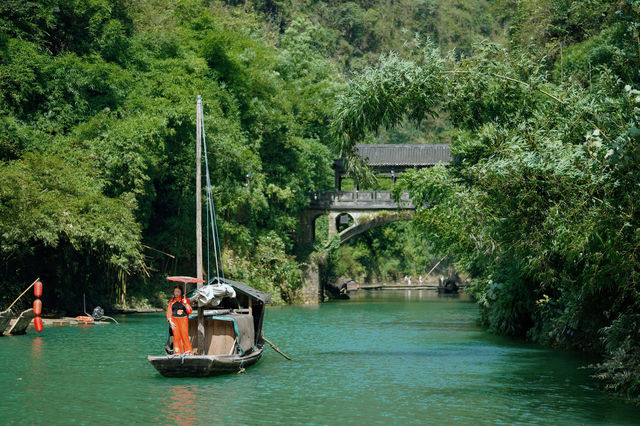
(411, 155)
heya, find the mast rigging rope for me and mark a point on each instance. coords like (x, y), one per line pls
(211, 212)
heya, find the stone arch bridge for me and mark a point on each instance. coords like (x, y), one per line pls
(351, 213)
(359, 211)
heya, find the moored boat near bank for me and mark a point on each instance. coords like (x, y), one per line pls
(20, 325)
(5, 318)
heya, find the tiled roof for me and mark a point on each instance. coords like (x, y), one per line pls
(405, 154)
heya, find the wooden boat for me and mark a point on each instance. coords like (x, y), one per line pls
(229, 337)
(233, 337)
(448, 285)
(22, 322)
(5, 319)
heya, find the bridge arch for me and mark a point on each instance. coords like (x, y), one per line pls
(367, 210)
(344, 220)
(364, 210)
(364, 222)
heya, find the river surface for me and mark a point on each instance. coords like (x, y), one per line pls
(385, 357)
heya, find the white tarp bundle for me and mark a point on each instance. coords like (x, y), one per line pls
(211, 295)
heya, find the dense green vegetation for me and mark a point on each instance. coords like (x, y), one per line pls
(381, 255)
(96, 140)
(97, 143)
(540, 204)
(384, 254)
(356, 32)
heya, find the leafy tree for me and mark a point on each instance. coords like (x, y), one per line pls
(56, 222)
(108, 94)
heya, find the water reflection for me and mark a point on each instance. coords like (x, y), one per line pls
(180, 407)
(36, 347)
(407, 295)
(36, 365)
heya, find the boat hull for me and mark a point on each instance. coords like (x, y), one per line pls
(203, 365)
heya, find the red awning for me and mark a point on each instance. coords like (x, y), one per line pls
(185, 279)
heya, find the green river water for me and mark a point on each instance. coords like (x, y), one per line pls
(384, 357)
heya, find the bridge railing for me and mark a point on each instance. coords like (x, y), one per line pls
(358, 199)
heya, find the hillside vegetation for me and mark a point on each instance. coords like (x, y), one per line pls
(97, 143)
(97, 119)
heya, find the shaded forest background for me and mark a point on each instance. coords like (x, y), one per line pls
(540, 100)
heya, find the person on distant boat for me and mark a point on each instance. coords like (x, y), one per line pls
(178, 316)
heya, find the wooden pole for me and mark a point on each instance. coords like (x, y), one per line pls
(22, 294)
(199, 219)
(275, 348)
(436, 265)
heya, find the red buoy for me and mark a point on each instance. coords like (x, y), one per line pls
(37, 289)
(37, 322)
(37, 306)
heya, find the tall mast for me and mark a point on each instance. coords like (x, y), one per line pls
(199, 219)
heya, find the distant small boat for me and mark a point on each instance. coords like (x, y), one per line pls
(448, 285)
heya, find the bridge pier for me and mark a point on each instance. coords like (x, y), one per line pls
(313, 285)
(333, 226)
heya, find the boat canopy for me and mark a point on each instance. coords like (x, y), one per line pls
(243, 288)
(212, 295)
(185, 279)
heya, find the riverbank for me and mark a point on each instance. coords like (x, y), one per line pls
(83, 320)
(425, 286)
(66, 321)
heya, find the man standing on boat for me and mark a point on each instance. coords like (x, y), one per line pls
(178, 316)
